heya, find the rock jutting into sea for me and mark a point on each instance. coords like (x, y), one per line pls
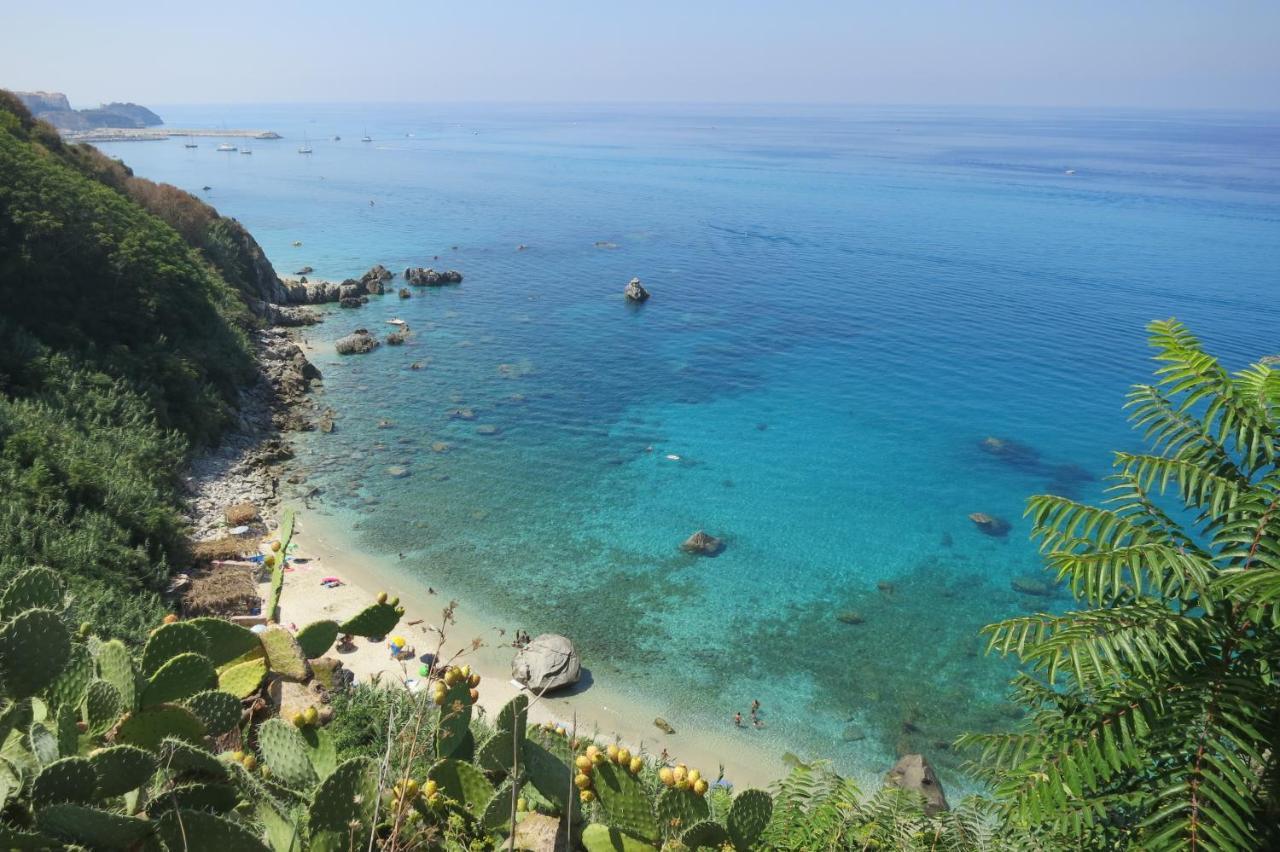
(913, 772)
(634, 291)
(356, 343)
(702, 544)
(427, 277)
(548, 662)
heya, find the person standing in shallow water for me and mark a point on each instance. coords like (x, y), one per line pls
(737, 719)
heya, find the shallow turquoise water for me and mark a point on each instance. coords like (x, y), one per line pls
(845, 304)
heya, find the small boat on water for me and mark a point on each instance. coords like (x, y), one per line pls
(305, 147)
(366, 137)
(189, 144)
(397, 321)
(226, 146)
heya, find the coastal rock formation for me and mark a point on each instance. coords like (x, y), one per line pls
(405, 292)
(702, 544)
(396, 338)
(548, 662)
(990, 524)
(356, 344)
(306, 270)
(54, 108)
(634, 291)
(913, 772)
(311, 292)
(350, 291)
(351, 302)
(421, 277)
(377, 273)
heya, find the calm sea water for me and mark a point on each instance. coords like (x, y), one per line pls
(846, 303)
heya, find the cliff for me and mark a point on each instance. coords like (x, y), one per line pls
(54, 108)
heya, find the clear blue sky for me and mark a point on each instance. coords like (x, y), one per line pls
(1169, 53)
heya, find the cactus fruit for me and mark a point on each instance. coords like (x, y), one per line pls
(179, 678)
(601, 838)
(455, 720)
(243, 679)
(347, 796)
(33, 646)
(285, 753)
(748, 817)
(462, 783)
(197, 831)
(169, 619)
(70, 779)
(92, 828)
(680, 809)
(284, 654)
(624, 802)
(372, 622)
(115, 666)
(228, 641)
(147, 728)
(34, 588)
(317, 638)
(218, 710)
(121, 768)
(707, 834)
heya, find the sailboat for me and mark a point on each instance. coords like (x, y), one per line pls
(190, 143)
(366, 137)
(305, 148)
(245, 149)
(226, 146)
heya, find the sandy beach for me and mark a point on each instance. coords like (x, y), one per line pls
(594, 708)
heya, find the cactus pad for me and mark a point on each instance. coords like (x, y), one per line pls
(181, 757)
(549, 775)
(170, 640)
(497, 814)
(218, 710)
(43, 743)
(116, 667)
(347, 796)
(372, 622)
(601, 838)
(707, 834)
(147, 728)
(284, 655)
(624, 802)
(69, 688)
(121, 768)
(93, 828)
(102, 706)
(499, 753)
(317, 638)
(67, 730)
(227, 640)
(243, 679)
(34, 588)
(196, 831)
(200, 796)
(70, 779)
(462, 783)
(13, 838)
(33, 646)
(321, 751)
(285, 752)
(680, 809)
(455, 720)
(177, 679)
(748, 817)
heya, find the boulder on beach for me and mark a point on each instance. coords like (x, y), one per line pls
(913, 772)
(548, 662)
(356, 344)
(702, 544)
(634, 291)
(990, 524)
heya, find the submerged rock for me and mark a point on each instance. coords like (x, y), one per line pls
(850, 616)
(1028, 585)
(396, 338)
(487, 429)
(853, 734)
(548, 662)
(635, 291)
(397, 471)
(702, 544)
(913, 772)
(663, 725)
(990, 524)
(1011, 452)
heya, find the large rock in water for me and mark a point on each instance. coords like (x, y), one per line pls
(548, 662)
(356, 344)
(990, 524)
(430, 278)
(635, 291)
(913, 772)
(702, 544)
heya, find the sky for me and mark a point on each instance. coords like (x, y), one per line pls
(1130, 53)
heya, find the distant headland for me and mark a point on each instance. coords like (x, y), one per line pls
(54, 108)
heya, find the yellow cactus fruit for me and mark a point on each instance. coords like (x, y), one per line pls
(586, 796)
(237, 756)
(250, 762)
(394, 602)
(681, 772)
(451, 677)
(382, 597)
(700, 786)
(682, 784)
(411, 788)
(431, 788)
(474, 680)
(624, 757)
(275, 546)
(561, 732)
(311, 715)
(694, 775)
(465, 671)
(170, 618)
(583, 763)
(522, 805)
(636, 765)
(666, 776)
(612, 751)
(475, 695)
(581, 781)
(299, 719)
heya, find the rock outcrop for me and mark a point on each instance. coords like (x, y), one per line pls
(990, 524)
(702, 544)
(634, 291)
(428, 277)
(548, 662)
(356, 344)
(913, 772)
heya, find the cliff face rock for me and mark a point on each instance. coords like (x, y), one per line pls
(54, 108)
(39, 102)
(258, 276)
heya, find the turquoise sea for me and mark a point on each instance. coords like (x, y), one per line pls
(846, 303)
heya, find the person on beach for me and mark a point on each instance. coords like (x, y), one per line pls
(737, 719)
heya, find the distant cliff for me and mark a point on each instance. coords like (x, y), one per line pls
(54, 108)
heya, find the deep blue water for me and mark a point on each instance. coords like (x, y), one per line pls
(846, 303)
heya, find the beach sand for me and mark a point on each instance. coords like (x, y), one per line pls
(594, 708)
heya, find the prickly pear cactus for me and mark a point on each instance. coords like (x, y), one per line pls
(285, 752)
(462, 783)
(168, 641)
(34, 588)
(70, 779)
(92, 828)
(549, 774)
(317, 638)
(321, 751)
(196, 831)
(199, 796)
(181, 757)
(102, 707)
(227, 640)
(43, 744)
(623, 801)
(347, 796)
(602, 838)
(33, 647)
(748, 818)
(284, 654)
(121, 768)
(499, 752)
(116, 667)
(679, 809)
(218, 710)
(147, 728)
(455, 720)
(373, 621)
(243, 679)
(707, 834)
(179, 678)
(71, 684)
(67, 729)
(497, 814)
